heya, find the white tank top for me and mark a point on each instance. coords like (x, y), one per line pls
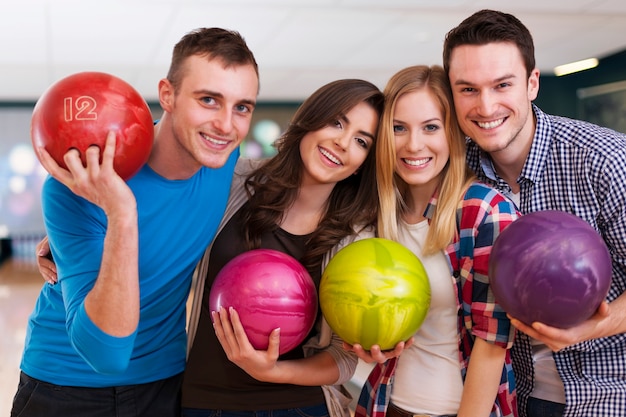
(428, 377)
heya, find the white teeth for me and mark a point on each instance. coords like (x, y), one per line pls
(330, 156)
(213, 140)
(416, 162)
(490, 125)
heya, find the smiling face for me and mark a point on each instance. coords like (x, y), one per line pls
(493, 95)
(211, 111)
(422, 149)
(337, 150)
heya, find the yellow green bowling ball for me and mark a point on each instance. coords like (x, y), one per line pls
(374, 292)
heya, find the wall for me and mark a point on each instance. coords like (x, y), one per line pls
(558, 95)
(21, 175)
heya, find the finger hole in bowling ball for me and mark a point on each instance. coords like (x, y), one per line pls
(75, 149)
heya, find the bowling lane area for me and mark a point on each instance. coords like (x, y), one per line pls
(20, 283)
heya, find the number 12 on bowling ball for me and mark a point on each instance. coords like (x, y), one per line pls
(78, 111)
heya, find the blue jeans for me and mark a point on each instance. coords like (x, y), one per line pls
(543, 408)
(35, 398)
(319, 410)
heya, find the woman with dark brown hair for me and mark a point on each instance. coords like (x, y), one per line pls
(312, 198)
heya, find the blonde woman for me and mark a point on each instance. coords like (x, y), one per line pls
(458, 362)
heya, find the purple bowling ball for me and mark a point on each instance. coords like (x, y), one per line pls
(550, 266)
(269, 289)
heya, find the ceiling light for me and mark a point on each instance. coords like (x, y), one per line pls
(585, 64)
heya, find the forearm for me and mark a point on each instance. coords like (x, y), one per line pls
(113, 303)
(616, 320)
(345, 360)
(482, 380)
(319, 369)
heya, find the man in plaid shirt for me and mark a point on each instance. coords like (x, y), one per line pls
(545, 162)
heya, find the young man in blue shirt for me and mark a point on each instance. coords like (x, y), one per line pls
(109, 338)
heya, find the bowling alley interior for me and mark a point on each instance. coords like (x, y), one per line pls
(299, 46)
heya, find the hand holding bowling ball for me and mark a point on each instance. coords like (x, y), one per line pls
(78, 111)
(552, 267)
(375, 292)
(268, 289)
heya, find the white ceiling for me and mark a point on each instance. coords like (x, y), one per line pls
(299, 44)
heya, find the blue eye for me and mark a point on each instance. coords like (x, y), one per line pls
(242, 108)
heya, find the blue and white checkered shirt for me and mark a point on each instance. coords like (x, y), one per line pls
(580, 168)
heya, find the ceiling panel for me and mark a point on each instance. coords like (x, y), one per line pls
(299, 44)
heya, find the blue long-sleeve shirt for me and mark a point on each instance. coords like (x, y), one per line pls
(177, 220)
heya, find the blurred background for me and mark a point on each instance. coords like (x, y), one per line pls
(299, 45)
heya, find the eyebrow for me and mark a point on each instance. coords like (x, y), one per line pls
(220, 95)
(431, 120)
(497, 80)
(363, 132)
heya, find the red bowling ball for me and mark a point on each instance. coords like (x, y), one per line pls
(552, 267)
(79, 110)
(269, 289)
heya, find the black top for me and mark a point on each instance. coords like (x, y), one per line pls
(211, 380)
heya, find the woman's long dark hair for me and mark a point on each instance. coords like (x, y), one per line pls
(273, 187)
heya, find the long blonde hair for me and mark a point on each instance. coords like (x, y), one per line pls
(455, 177)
